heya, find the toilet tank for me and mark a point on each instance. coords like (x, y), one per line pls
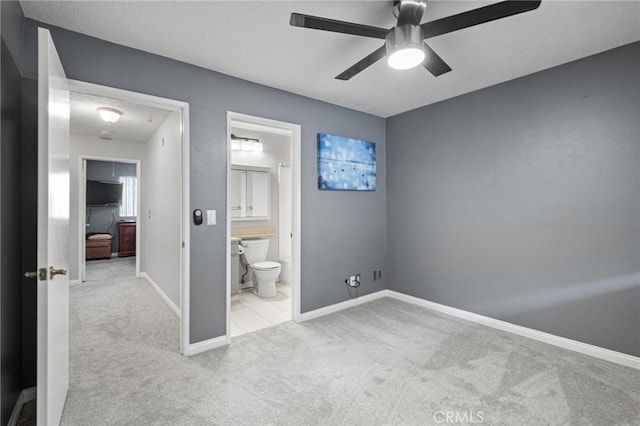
(254, 251)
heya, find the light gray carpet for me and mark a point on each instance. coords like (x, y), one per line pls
(109, 269)
(382, 363)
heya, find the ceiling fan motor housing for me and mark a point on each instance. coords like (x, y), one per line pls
(404, 36)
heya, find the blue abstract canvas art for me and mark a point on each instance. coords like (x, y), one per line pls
(346, 164)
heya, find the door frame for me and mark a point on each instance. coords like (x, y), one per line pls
(296, 179)
(82, 209)
(185, 200)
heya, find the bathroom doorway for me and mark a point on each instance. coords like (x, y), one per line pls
(263, 223)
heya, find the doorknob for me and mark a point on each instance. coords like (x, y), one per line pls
(53, 272)
(41, 274)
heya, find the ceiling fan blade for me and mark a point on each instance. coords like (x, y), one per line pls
(369, 60)
(477, 16)
(325, 24)
(434, 63)
(411, 12)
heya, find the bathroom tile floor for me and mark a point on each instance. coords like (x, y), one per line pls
(251, 313)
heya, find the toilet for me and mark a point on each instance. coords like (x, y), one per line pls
(264, 272)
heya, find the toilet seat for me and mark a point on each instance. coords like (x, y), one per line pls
(265, 266)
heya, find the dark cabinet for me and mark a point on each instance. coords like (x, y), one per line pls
(127, 239)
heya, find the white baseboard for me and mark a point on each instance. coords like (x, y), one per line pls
(562, 342)
(75, 282)
(25, 396)
(162, 294)
(340, 306)
(206, 345)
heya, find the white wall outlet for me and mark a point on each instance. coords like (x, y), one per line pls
(211, 217)
(353, 281)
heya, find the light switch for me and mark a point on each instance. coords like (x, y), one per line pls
(211, 217)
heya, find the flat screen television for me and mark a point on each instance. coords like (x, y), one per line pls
(101, 193)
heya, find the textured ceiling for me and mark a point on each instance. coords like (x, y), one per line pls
(253, 40)
(134, 125)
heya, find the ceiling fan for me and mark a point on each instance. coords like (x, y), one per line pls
(405, 45)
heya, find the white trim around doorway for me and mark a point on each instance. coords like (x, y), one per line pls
(295, 130)
(185, 224)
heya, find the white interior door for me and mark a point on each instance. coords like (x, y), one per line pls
(53, 233)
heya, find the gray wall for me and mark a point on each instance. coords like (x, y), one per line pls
(344, 232)
(521, 201)
(10, 212)
(99, 219)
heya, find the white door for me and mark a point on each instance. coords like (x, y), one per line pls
(53, 233)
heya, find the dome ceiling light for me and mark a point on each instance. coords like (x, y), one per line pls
(109, 115)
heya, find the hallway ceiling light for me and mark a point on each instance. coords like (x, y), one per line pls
(258, 146)
(110, 115)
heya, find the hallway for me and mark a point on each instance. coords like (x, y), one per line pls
(121, 336)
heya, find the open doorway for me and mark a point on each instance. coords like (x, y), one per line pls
(110, 194)
(129, 193)
(263, 222)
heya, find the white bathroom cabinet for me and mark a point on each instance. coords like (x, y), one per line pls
(250, 194)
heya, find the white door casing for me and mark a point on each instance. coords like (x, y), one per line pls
(53, 232)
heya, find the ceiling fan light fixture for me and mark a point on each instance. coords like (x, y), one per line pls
(403, 59)
(410, 33)
(109, 115)
(405, 47)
